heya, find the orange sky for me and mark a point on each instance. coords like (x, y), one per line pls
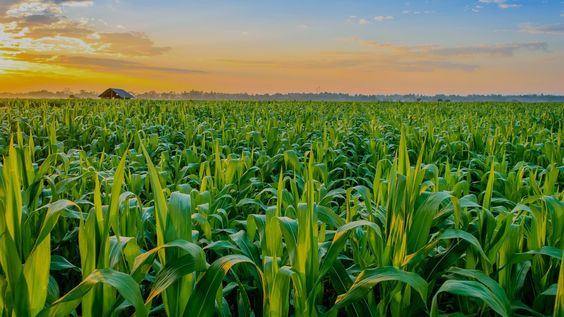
(381, 47)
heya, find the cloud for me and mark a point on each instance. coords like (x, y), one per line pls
(382, 18)
(317, 63)
(25, 9)
(40, 25)
(6, 4)
(108, 64)
(502, 4)
(66, 28)
(508, 6)
(366, 62)
(542, 29)
(499, 50)
(505, 50)
(75, 3)
(417, 12)
(398, 49)
(432, 65)
(383, 57)
(420, 58)
(10, 9)
(353, 19)
(130, 43)
(100, 63)
(58, 44)
(36, 37)
(40, 19)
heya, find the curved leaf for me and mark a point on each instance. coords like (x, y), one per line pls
(339, 241)
(471, 289)
(175, 270)
(144, 261)
(201, 302)
(123, 283)
(461, 234)
(371, 277)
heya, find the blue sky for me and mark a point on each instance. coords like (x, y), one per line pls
(482, 46)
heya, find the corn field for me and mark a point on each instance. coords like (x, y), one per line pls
(161, 208)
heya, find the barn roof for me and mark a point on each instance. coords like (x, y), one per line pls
(119, 92)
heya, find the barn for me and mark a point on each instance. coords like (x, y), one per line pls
(116, 93)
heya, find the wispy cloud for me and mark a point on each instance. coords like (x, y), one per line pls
(502, 4)
(367, 62)
(382, 18)
(124, 65)
(129, 43)
(75, 3)
(433, 65)
(426, 58)
(500, 50)
(33, 8)
(417, 12)
(476, 8)
(504, 50)
(391, 57)
(542, 28)
(353, 19)
(99, 63)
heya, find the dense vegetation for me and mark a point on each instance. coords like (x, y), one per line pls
(280, 208)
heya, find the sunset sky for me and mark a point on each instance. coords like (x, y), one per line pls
(258, 46)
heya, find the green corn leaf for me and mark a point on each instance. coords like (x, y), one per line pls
(559, 300)
(54, 211)
(369, 278)
(36, 272)
(553, 252)
(450, 234)
(180, 217)
(471, 289)
(144, 261)
(161, 211)
(123, 283)
(176, 269)
(119, 176)
(60, 263)
(423, 219)
(492, 285)
(339, 241)
(201, 302)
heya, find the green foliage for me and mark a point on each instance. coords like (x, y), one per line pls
(145, 208)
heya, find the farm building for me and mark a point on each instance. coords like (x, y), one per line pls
(116, 93)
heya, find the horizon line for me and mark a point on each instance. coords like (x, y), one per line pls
(258, 94)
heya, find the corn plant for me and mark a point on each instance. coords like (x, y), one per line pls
(226, 208)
